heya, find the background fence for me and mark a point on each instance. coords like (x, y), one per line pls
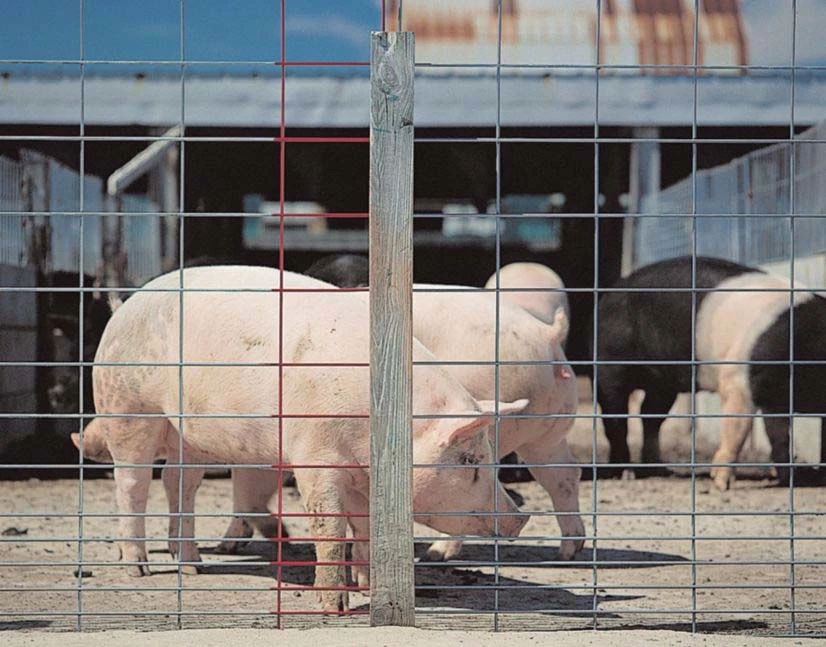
(243, 137)
(36, 183)
(744, 208)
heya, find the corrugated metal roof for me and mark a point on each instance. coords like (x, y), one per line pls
(631, 32)
(441, 100)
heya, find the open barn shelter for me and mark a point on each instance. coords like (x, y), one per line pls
(595, 127)
(592, 136)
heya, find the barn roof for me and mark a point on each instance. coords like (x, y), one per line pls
(758, 99)
(631, 32)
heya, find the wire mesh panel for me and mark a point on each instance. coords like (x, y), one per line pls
(587, 175)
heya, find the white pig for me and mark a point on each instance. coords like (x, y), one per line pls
(228, 404)
(535, 287)
(459, 326)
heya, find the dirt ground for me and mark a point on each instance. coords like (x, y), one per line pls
(741, 564)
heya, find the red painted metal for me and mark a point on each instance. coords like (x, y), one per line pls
(283, 139)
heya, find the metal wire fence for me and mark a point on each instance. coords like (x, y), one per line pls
(755, 193)
(37, 184)
(666, 552)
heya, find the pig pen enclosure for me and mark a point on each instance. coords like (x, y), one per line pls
(595, 137)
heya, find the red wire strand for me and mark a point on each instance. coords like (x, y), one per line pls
(283, 139)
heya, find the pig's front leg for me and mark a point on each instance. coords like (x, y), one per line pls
(252, 490)
(443, 550)
(777, 429)
(733, 434)
(562, 483)
(236, 536)
(321, 490)
(182, 480)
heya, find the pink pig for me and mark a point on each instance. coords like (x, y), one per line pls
(459, 326)
(517, 281)
(222, 406)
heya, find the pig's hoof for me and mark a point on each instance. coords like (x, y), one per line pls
(628, 474)
(230, 547)
(568, 548)
(361, 576)
(441, 551)
(190, 569)
(138, 570)
(783, 476)
(336, 602)
(721, 478)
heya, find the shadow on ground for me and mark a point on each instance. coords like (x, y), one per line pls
(531, 556)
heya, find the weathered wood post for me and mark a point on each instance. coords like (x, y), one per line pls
(391, 329)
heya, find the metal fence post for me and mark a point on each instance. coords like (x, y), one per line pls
(391, 329)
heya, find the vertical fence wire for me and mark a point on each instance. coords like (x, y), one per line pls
(597, 238)
(792, 207)
(496, 314)
(282, 163)
(693, 395)
(80, 344)
(179, 574)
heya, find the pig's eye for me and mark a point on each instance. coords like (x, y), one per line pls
(470, 459)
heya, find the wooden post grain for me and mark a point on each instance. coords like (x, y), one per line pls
(391, 330)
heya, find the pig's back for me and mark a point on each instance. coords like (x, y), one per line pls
(654, 320)
(459, 324)
(732, 319)
(231, 321)
(541, 304)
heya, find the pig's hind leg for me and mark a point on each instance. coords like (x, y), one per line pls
(134, 443)
(562, 482)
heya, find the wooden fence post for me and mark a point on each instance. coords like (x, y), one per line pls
(391, 329)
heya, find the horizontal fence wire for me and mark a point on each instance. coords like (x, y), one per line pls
(662, 546)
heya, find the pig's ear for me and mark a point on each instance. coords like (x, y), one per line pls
(469, 427)
(465, 428)
(489, 407)
(560, 326)
(76, 439)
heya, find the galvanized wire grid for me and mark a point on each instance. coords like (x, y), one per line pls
(618, 580)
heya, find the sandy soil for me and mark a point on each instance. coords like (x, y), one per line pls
(643, 570)
(387, 637)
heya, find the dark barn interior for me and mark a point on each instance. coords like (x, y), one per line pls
(450, 166)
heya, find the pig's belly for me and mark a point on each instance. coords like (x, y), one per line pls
(232, 440)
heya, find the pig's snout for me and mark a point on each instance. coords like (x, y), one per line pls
(508, 525)
(507, 522)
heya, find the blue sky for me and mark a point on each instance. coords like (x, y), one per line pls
(214, 30)
(234, 30)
